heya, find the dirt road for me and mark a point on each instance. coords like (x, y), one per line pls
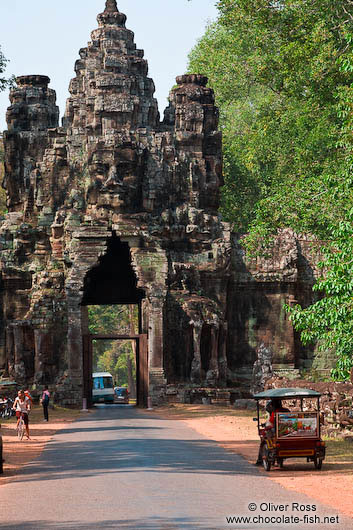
(236, 432)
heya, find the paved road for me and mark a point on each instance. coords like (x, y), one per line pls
(123, 468)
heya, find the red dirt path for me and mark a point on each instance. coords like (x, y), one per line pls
(333, 485)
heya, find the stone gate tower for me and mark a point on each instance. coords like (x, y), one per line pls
(119, 207)
(114, 206)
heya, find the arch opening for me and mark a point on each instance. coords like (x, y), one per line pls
(110, 296)
(112, 280)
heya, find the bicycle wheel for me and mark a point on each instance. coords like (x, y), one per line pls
(21, 429)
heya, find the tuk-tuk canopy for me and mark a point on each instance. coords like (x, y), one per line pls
(287, 393)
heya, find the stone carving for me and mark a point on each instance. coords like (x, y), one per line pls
(117, 206)
(262, 370)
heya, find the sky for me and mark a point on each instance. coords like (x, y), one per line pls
(44, 37)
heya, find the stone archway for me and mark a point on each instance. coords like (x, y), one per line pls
(110, 280)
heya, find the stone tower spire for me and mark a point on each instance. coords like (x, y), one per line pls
(111, 15)
(111, 7)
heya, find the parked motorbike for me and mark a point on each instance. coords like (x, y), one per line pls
(6, 410)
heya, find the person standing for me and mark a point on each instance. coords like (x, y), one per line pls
(45, 403)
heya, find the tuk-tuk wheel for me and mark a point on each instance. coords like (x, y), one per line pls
(318, 463)
(267, 464)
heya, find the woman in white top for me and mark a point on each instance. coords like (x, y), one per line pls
(22, 406)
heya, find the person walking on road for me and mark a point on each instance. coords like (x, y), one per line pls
(45, 403)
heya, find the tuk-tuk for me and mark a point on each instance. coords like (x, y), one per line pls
(295, 433)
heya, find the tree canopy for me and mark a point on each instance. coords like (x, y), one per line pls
(3, 80)
(275, 69)
(282, 75)
(4, 83)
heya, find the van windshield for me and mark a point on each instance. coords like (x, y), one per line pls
(102, 382)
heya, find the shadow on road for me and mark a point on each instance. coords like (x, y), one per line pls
(130, 443)
(148, 523)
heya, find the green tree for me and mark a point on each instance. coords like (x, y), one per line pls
(275, 70)
(282, 74)
(116, 357)
(4, 83)
(330, 320)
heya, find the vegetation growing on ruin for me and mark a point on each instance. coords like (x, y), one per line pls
(282, 73)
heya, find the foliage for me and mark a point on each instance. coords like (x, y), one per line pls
(282, 75)
(110, 355)
(115, 360)
(275, 70)
(3, 81)
(330, 320)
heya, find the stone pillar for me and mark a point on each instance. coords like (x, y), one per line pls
(157, 379)
(2, 333)
(222, 354)
(74, 334)
(196, 375)
(143, 316)
(37, 356)
(10, 356)
(262, 369)
(43, 355)
(70, 390)
(20, 369)
(213, 371)
(84, 320)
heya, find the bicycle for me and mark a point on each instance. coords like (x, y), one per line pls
(21, 427)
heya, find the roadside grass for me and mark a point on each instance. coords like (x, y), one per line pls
(338, 450)
(56, 413)
(181, 411)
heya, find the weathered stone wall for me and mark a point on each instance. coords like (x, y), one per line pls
(257, 291)
(117, 206)
(336, 403)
